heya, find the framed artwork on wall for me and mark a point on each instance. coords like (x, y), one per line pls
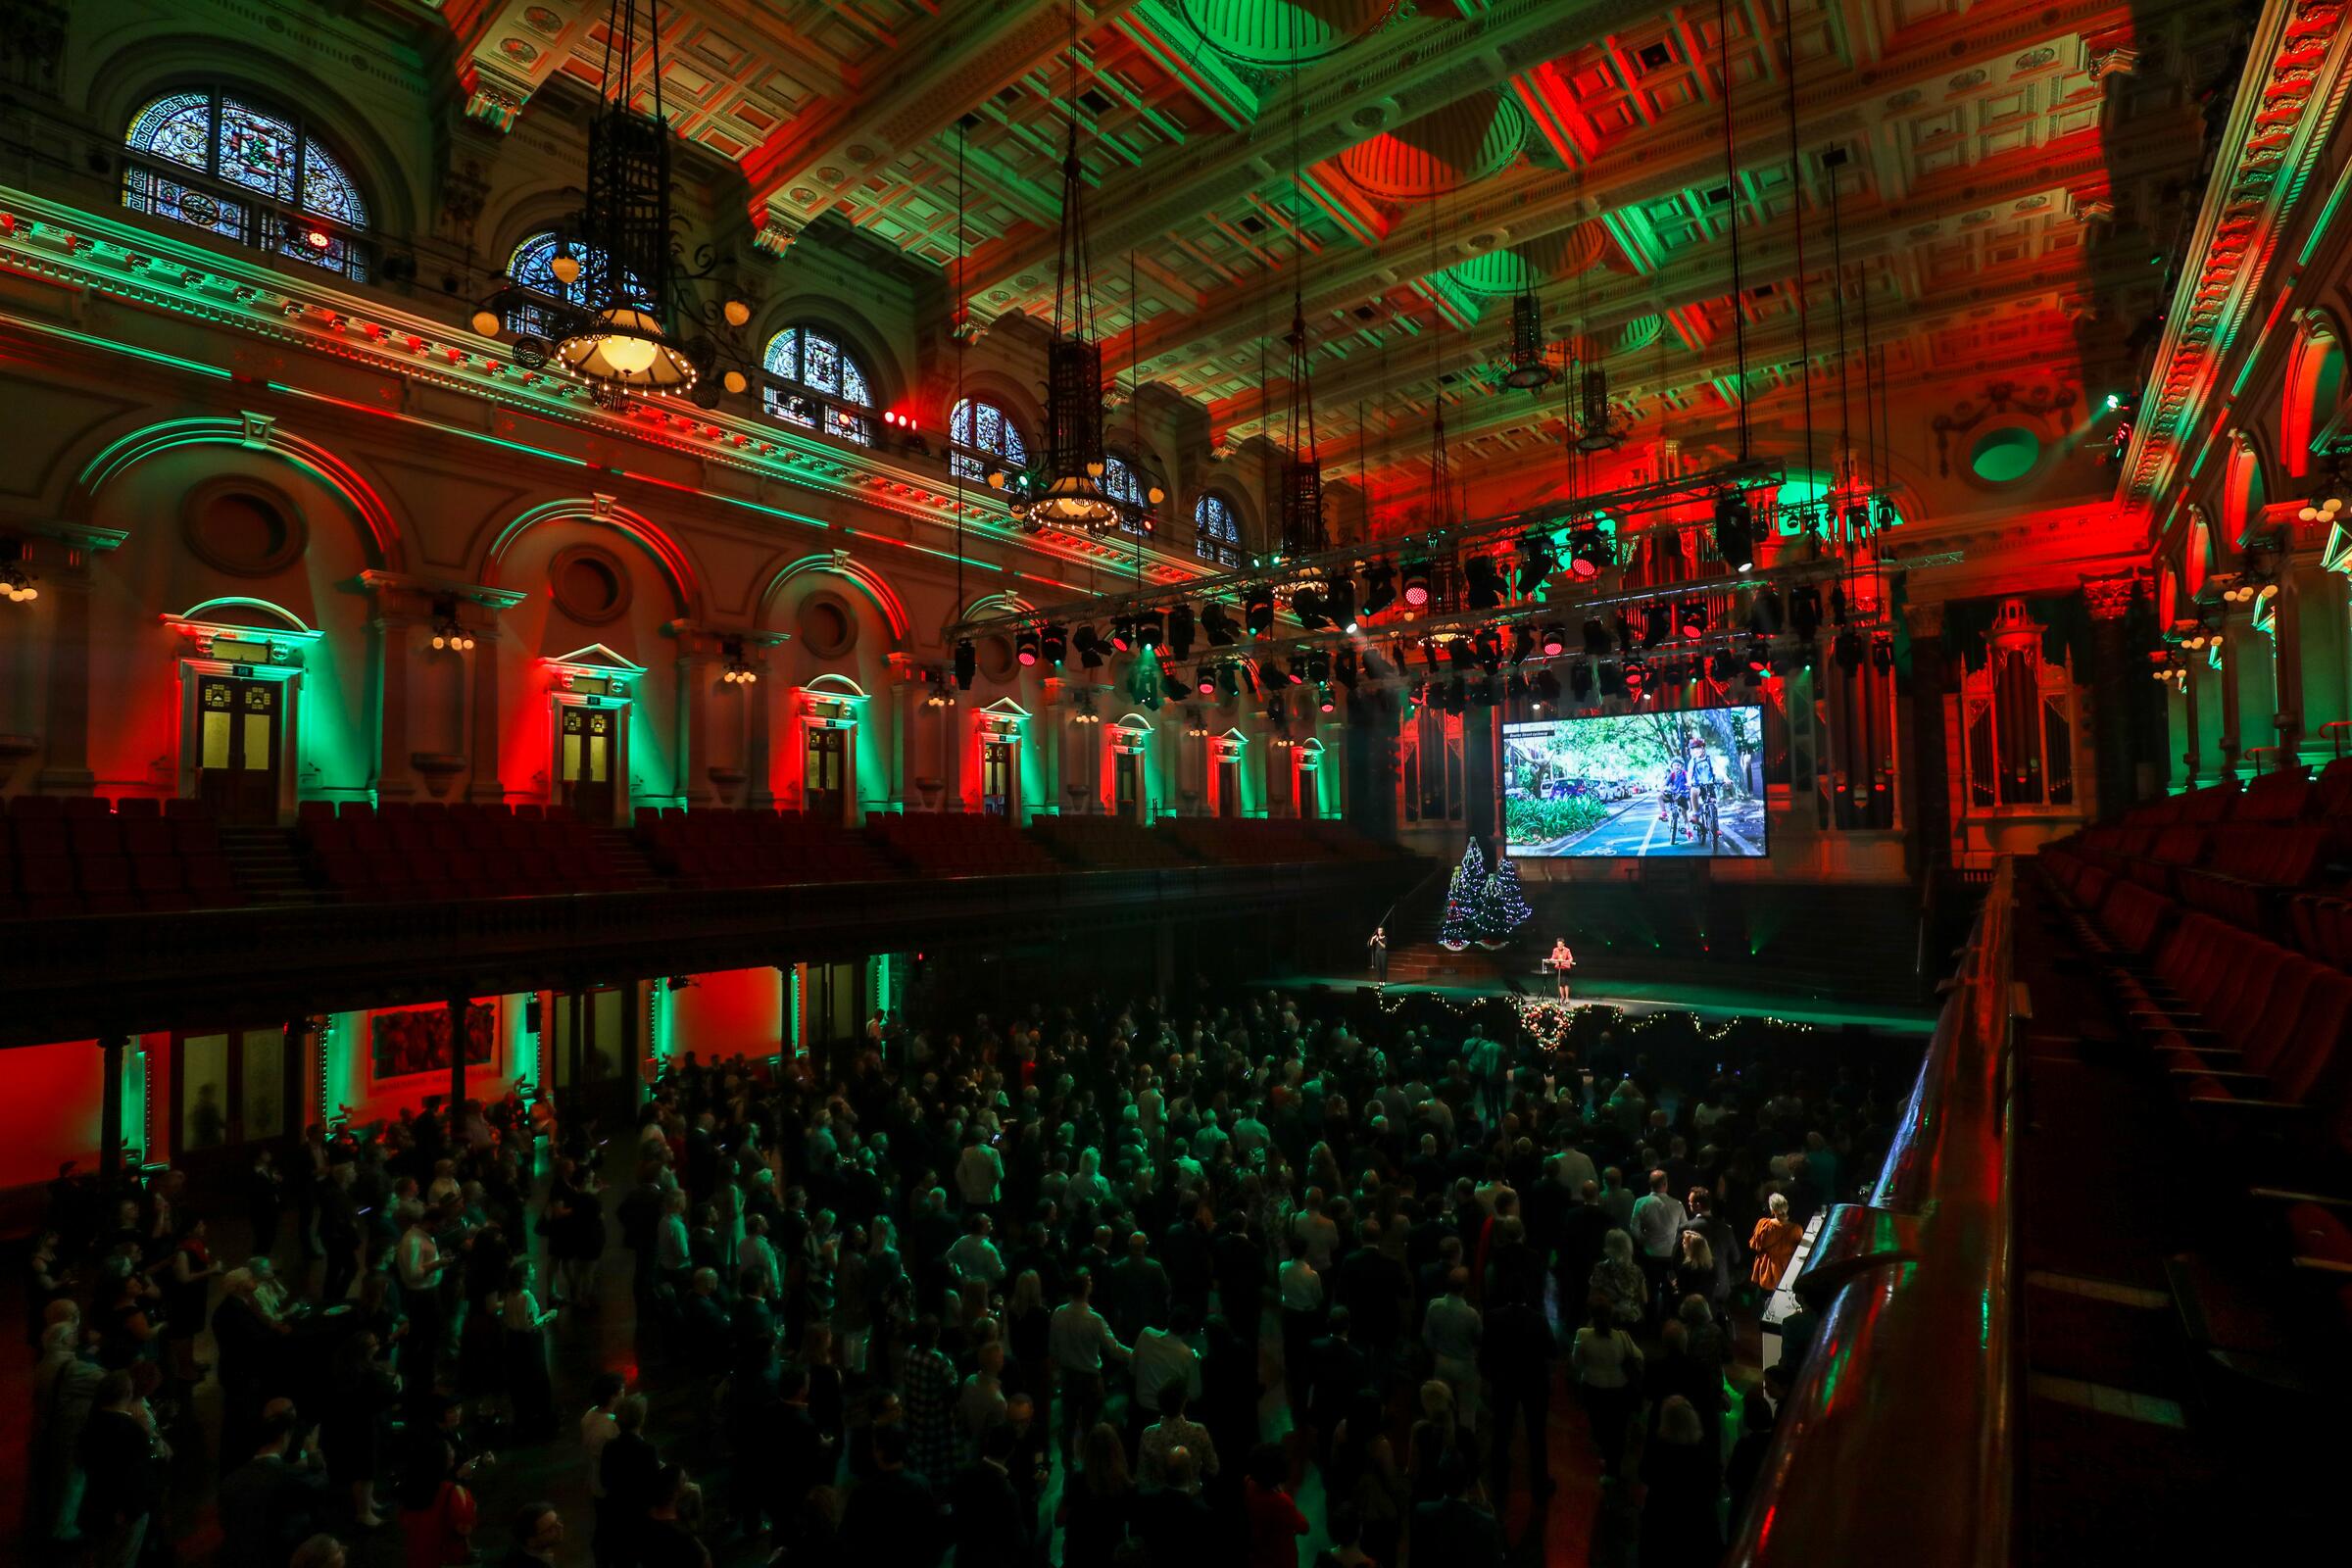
(403, 1044)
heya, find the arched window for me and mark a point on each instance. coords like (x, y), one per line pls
(532, 271)
(216, 161)
(1216, 530)
(800, 361)
(2315, 384)
(985, 437)
(1120, 483)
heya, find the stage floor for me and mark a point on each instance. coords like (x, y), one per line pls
(1658, 996)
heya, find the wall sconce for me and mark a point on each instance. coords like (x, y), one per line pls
(447, 633)
(739, 671)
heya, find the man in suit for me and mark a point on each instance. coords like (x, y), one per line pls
(992, 1526)
(1139, 1290)
(1336, 1369)
(892, 1516)
(1453, 1529)
(1372, 1286)
(627, 1470)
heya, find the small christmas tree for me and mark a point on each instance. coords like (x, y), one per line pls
(1501, 905)
(1462, 899)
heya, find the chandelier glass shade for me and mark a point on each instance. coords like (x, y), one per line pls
(623, 347)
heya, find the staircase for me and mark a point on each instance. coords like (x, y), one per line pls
(630, 871)
(262, 860)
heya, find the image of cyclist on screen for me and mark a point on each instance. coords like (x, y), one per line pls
(1701, 775)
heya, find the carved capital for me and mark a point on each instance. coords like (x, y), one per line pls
(2110, 598)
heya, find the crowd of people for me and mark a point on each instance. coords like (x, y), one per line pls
(1113, 1285)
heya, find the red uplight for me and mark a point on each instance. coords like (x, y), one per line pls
(317, 239)
(1580, 568)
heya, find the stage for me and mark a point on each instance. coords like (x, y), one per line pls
(1637, 998)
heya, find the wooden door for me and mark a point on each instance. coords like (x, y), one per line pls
(1229, 787)
(999, 779)
(232, 1091)
(238, 727)
(824, 781)
(1127, 786)
(587, 763)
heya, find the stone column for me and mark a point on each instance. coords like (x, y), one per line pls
(393, 775)
(758, 746)
(2109, 601)
(1931, 682)
(1053, 714)
(696, 653)
(109, 1112)
(2249, 690)
(459, 1010)
(904, 676)
(488, 737)
(2314, 602)
(67, 724)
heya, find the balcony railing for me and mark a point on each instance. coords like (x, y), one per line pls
(1899, 1439)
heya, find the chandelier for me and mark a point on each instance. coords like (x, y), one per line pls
(1600, 425)
(617, 328)
(1066, 493)
(1530, 364)
(1301, 496)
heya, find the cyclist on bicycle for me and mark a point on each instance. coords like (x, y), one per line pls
(1672, 792)
(1701, 772)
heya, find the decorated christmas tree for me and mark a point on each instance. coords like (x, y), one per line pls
(1462, 899)
(1501, 905)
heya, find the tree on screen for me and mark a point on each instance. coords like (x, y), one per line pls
(1462, 897)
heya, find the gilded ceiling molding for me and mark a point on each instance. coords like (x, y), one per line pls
(2287, 105)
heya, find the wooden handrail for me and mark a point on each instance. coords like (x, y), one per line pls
(1899, 1441)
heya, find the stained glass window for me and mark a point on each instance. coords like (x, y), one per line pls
(982, 431)
(807, 361)
(236, 147)
(1216, 530)
(1121, 485)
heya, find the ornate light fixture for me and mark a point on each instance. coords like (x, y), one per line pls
(447, 633)
(1601, 424)
(739, 671)
(1065, 493)
(1530, 364)
(16, 579)
(618, 330)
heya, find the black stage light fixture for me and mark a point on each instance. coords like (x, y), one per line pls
(1580, 681)
(1523, 644)
(1174, 686)
(1734, 531)
(1555, 640)
(1759, 655)
(1515, 686)
(1229, 680)
(1307, 606)
(1537, 563)
(1344, 668)
(1597, 636)
(1416, 583)
(1025, 648)
(1588, 550)
(1484, 584)
(1840, 610)
(1720, 665)
(1150, 631)
(1881, 652)
(1339, 601)
(1764, 613)
(1122, 635)
(1690, 617)
(1611, 681)
(1488, 647)
(1318, 667)
(1180, 631)
(1296, 671)
(968, 663)
(1804, 611)
(1753, 678)
(1277, 712)
(1217, 622)
(1254, 677)
(1056, 644)
(1206, 682)
(1458, 653)
(1457, 696)
(1380, 589)
(1257, 609)
(1635, 674)
(1090, 647)
(1328, 702)
(1547, 688)
(1656, 622)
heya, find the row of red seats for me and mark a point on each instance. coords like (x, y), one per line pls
(950, 844)
(724, 849)
(2255, 1038)
(72, 855)
(1109, 842)
(427, 850)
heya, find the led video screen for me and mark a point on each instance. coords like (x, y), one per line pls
(1635, 785)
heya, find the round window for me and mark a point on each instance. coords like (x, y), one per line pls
(996, 657)
(828, 628)
(2005, 456)
(241, 530)
(590, 585)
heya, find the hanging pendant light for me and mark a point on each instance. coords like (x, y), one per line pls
(1066, 493)
(1531, 369)
(1301, 496)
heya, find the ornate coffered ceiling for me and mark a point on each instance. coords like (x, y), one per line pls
(1999, 172)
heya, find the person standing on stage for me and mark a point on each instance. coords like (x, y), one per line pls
(1559, 961)
(1377, 950)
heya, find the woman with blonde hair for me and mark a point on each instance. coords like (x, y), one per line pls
(1619, 1279)
(1435, 1438)
(1771, 1244)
